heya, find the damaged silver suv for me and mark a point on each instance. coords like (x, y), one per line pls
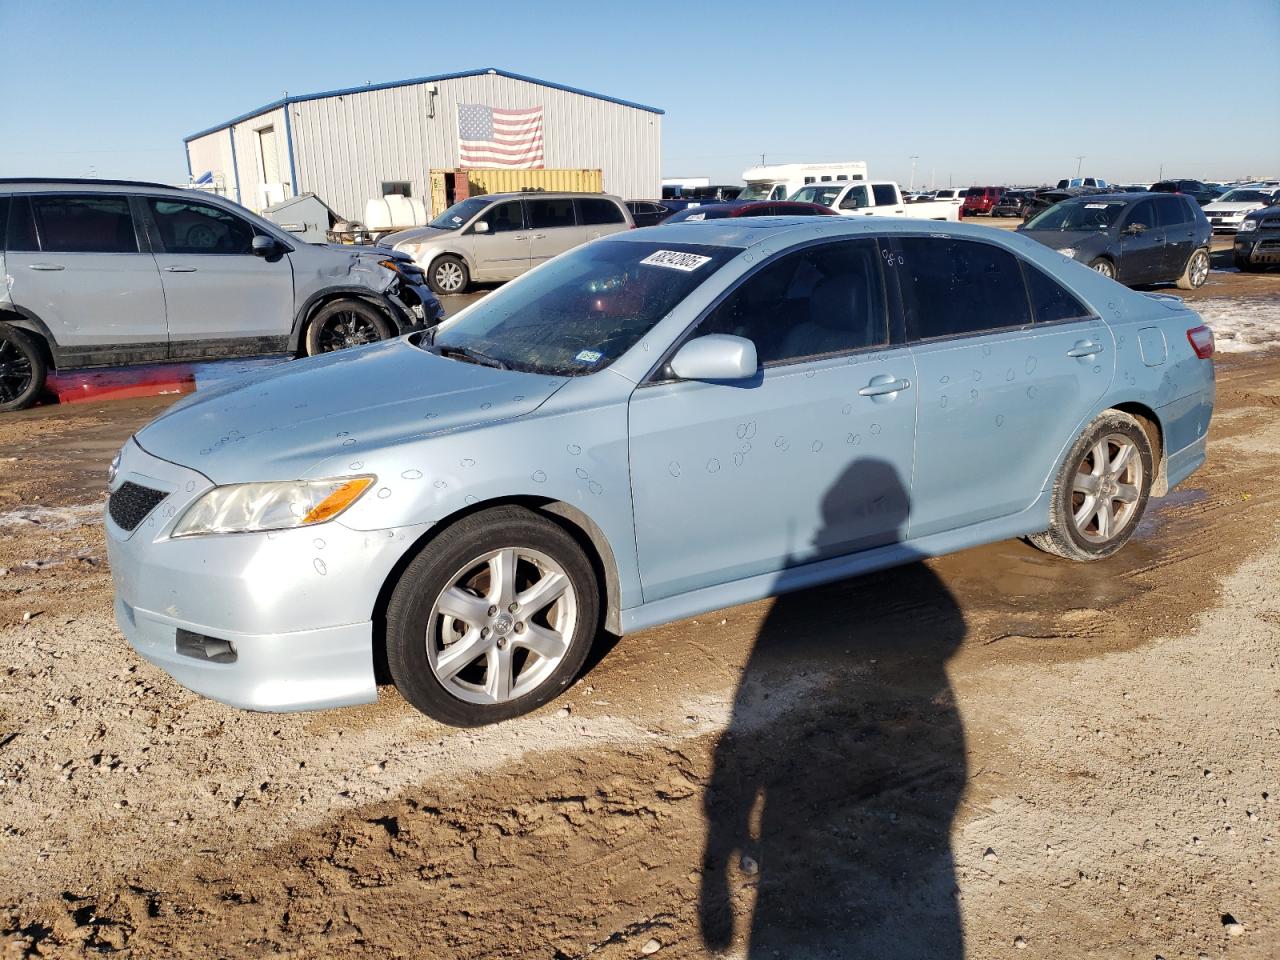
(109, 272)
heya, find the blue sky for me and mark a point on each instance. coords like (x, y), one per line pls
(982, 92)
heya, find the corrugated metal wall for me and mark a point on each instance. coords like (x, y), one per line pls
(253, 192)
(346, 146)
(213, 153)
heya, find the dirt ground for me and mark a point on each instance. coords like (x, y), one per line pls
(987, 752)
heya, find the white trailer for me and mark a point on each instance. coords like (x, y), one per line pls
(777, 181)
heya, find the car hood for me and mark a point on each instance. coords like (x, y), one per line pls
(1059, 239)
(1219, 207)
(415, 235)
(278, 423)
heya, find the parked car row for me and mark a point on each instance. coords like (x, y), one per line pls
(109, 272)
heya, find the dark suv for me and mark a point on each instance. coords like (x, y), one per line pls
(1257, 242)
(980, 200)
(1136, 238)
(1202, 193)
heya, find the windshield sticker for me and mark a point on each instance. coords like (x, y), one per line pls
(589, 356)
(1096, 206)
(696, 216)
(675, 260)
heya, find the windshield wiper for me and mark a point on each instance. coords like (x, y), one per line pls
(472, 356)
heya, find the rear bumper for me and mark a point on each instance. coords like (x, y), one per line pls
(1186, 461)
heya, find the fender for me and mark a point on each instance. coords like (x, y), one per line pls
(24, 319)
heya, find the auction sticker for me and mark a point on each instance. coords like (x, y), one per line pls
(1096, 206)
(675, 260)
(589, 356)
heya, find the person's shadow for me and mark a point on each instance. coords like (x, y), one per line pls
(833, 791)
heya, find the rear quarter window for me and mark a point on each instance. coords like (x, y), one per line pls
(1051, 302)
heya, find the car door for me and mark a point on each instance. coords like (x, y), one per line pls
(502, 251)
(220, 297)
(887, 201)
(1141, 242)
(856, 201)
(1177, 224)
(810, 459)
(80, 263)
(999, 394)
(555, 228)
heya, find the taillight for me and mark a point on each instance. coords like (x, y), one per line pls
(1201, 340)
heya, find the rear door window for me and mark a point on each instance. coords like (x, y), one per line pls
(551, 212)
(20, 236)
(192, 228)
(956, 287)
(593, 210)
(1051, 302)
(84, 223)
(1170, 211)
(885, 195)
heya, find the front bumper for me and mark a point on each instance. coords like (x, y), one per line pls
(1261, 247)
(295, 605)
(415, 306)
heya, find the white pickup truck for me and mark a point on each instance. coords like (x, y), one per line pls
(875, 198)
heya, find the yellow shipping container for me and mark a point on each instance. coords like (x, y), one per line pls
(445, 183)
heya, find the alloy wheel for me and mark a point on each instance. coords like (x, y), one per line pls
(449, 277)
(1199, 270)
(15, 371)
(1106, 488)
(347, 329)
(502, 626)
(1105, 268)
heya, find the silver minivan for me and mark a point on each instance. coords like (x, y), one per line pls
(499, 236)
(108, 272)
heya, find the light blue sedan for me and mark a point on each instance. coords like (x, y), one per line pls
(654, 425)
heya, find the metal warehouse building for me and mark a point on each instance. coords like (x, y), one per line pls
(348, 146)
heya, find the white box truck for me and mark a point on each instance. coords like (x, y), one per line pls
(778, 181)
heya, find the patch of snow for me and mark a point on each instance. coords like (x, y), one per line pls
(1240, 324)
(53, 519)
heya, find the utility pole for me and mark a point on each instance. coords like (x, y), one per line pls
(912, 184)
(1079, 160)
(762, 159)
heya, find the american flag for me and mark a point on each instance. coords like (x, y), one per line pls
(491, 137)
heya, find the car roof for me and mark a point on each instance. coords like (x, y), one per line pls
(79, 183)
(542, 194)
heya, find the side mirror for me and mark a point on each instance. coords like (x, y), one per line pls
(716, 356)
(264, 246)
(482, 226)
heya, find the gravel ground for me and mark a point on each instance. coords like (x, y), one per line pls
(988, 752)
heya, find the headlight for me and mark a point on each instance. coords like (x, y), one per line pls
(1068, 252)
(406, 268)
(251, 507)
(1248, 226)
(113, 469)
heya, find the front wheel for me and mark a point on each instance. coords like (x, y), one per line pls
(1244, 265)
(1104, 267)
(1102, 490)
(493, 619)
(1196, 272)
(22, 369)
(346, 323)
(448, 274)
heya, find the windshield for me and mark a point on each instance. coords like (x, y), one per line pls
(1244, 196)
(460, 213)
(757, 190)
(583, 310)
(825, 195)
(1089, 215)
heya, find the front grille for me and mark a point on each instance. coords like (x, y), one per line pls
(131, 502)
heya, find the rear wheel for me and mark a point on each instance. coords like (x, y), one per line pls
(1102, 490)
(22, 368)
(1104, 267)
(493, 619)
(448, 274)
(1196, 272)
(346, 323)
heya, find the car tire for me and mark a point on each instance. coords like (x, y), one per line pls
(22, 369)
(448, 275)
(453, 579)
(1196, 272)
(1242, 264)
(1103, 266)
(1082, 530)
(346, 323)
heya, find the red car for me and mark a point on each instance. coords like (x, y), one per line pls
(752, 208)
(980, 200)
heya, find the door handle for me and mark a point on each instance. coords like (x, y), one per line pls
(179, 269)
(880, 389)
(539, 236)
(47, 266)
(521, 236)
(1086, 348)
